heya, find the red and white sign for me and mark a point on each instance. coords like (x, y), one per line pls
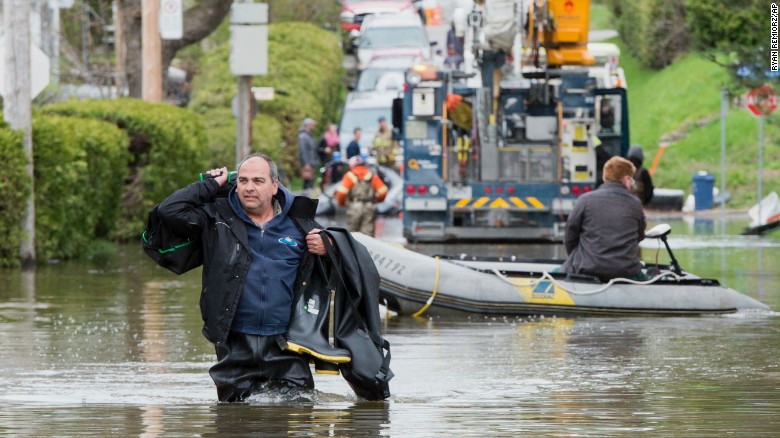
(171, 19)
(761, 101)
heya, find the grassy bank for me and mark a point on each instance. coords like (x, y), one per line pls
(680, 105)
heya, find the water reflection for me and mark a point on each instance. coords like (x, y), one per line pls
(280, 420)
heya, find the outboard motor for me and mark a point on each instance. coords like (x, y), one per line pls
(660, 231)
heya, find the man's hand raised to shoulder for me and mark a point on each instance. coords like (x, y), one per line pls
(314, 242)
(220, 175)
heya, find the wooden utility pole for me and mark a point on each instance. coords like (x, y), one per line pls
(17, 103)
(244, 113)
(244, 117)
(151, 52)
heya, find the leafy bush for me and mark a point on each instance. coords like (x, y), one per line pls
(221, 126)
(655, 31)
(14, 189)
(719, 29)
(168, 148)
(80, 165)
(304, 67)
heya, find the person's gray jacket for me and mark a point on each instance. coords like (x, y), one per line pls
(603, 233)
(307, 148)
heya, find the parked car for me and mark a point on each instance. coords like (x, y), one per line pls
(353, 12)
(385, 73)
(362, 110)
(392, 35)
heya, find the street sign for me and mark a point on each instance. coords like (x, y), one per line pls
(248, 39)
(39, 67)
(263, 93)
(171, 20)
(761, 101)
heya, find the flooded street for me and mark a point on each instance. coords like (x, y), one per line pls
(112, 347)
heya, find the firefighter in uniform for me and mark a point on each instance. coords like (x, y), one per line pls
(383, 145)
(360, 189)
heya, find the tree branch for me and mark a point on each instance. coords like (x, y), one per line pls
(199, 22)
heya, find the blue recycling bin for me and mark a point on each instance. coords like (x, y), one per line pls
(703, 183)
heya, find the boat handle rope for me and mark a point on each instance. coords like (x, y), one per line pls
(546, 275)
(433, 295)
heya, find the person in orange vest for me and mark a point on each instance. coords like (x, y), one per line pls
(360, 189)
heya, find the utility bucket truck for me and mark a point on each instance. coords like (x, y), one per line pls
(499, 148)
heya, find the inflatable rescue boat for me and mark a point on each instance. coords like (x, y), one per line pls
(417, 284)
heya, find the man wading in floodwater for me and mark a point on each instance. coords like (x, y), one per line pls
(251, 253)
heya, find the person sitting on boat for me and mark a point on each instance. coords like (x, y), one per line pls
(360, 189)
(605, 227)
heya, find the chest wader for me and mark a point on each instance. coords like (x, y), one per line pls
(308, 329)
(357, 321)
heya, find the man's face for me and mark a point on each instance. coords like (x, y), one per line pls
(255, 188)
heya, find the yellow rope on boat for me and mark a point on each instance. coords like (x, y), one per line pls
(433, 295)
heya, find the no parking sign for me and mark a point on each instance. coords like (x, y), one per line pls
(761, 101)
(171, 20)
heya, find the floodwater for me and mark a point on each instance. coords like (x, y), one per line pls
(112, 347)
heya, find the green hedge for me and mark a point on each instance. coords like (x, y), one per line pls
(304, 67)
(168, 147)
(221, 127)
(80, 165)
(14, 188)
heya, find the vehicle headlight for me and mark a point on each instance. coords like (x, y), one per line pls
(413, 78)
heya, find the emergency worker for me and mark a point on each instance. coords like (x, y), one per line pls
(360, 190)
(383, 143)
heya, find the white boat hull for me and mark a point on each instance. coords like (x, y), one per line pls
(409, 280)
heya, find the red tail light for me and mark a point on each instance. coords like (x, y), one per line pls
(421, 189)
(410, 189)
(576, 190)
(488, 190)
(348, 27)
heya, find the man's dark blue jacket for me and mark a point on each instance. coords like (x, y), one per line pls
(197, 211)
